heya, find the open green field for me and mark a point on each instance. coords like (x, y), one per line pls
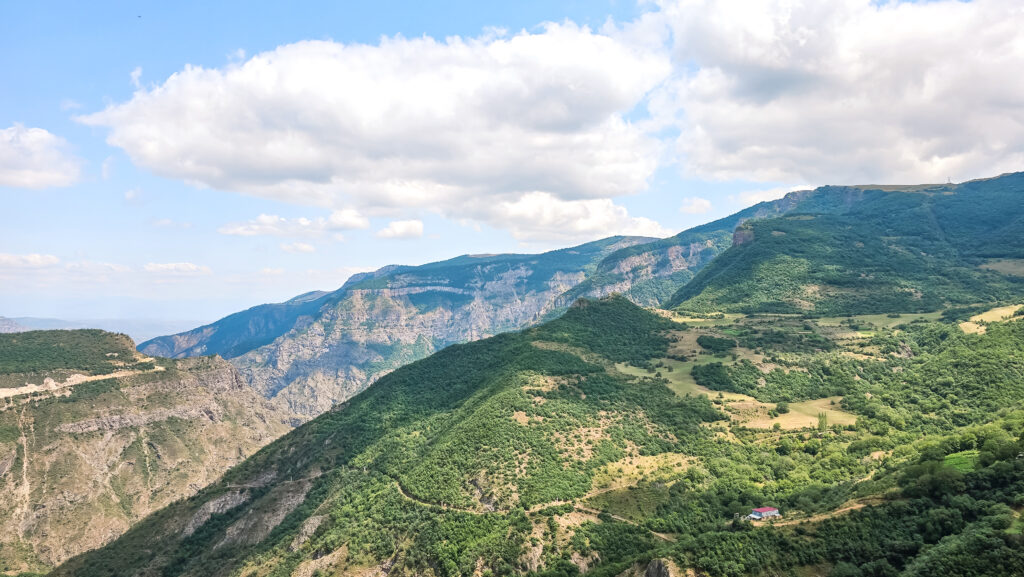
(680, 380)
(633, 503)
(1007, 266)
(882, 321)
(804, 414)
(964, 461)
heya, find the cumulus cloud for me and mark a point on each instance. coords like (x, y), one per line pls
(779, 91)
(35, 158)
(407, 124)
(273, 225)
(298, 247)
(541, 216)
(402, 229)
(846, 91)
(177, 268)
(27, 260)
(695, 205)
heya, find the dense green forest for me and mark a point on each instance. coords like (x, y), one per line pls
(529, 452)
(86, 350)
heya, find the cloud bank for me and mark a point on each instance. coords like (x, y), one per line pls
(409, 124)
(540, 132)
(850, 91)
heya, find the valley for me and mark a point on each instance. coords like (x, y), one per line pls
(571, 447)
(831, 355)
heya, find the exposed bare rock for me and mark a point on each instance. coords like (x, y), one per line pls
(83, 471)
(213, 413)
(264, 515)
(215, 506)
(309, 526)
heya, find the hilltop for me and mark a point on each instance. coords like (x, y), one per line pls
(859, 250)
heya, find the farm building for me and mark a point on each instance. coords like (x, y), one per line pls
(763, 513)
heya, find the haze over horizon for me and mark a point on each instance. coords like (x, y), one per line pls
(188, 161)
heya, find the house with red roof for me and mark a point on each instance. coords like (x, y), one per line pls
(763, 513)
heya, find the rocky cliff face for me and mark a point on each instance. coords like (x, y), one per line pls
(338, 343)
(79, 464)
(382, 323)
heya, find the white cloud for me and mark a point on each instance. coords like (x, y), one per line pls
(273, 225)
(69, 104)
(540, 216)
(846, 91)
(406, 125)
(272, 271)
(298, 247)
(752, 197)
(695, 205)
(35, 158)
(402, 229)
(27, 260)
(96, 268)
(136, 75)
(177, 268)
(132, 194)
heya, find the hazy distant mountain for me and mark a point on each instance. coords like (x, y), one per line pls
(138, 329)
(11, 326)
(321, 348)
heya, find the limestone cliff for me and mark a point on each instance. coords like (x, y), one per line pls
(382, 322)
(83, 457)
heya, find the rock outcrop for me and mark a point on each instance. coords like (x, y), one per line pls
(79, 465)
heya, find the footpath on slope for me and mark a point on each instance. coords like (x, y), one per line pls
(51, 386)
(534, 509)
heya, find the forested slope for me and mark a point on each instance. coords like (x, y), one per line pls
(885, 250)
(595, 442)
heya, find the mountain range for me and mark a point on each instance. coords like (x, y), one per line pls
(849, 357)
(898, 248)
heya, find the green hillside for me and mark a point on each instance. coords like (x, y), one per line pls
(92, 351)
(860, 250)
(598, 441)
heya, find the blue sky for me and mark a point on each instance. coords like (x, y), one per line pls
(145, 140)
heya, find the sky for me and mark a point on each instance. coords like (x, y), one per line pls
(182, 161)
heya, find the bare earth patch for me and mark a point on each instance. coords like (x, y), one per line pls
(976, 324)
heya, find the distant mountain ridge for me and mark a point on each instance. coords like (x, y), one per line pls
(138, 329)
(870, 249)
(321, 348)
(11, 326)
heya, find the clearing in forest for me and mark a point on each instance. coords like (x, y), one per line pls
(976, 324)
